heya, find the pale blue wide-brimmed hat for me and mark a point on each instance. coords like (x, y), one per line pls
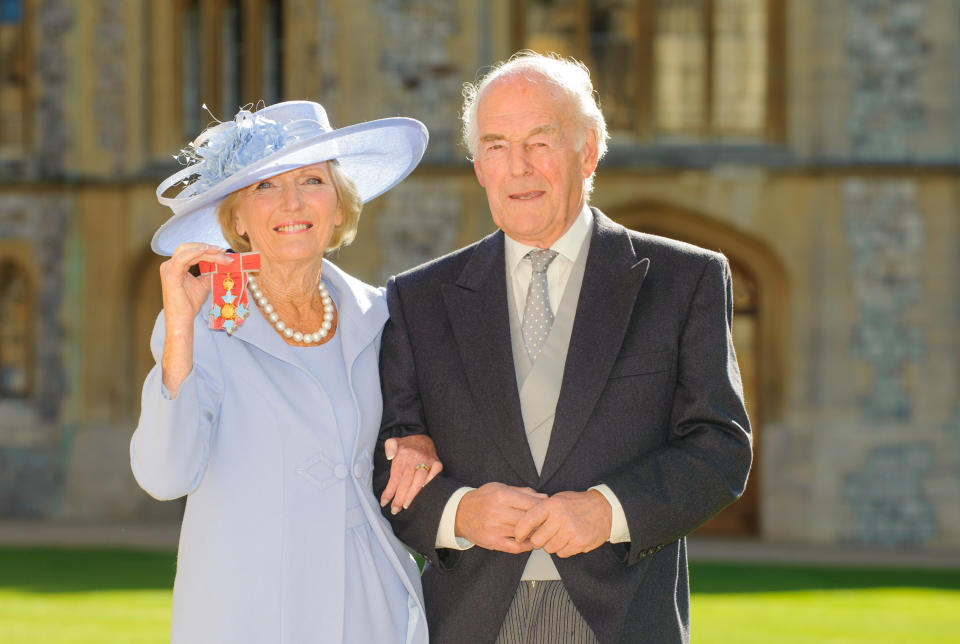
(376, 155)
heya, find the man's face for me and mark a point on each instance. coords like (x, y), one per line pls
(527, 159)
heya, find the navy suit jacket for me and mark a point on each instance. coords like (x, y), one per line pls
(650, 403)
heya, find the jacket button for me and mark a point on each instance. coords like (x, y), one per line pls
(340, 471)
(358, 470)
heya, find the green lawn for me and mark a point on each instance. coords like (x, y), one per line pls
(748, 604)
(60, 596)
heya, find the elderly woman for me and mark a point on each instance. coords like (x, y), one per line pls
(264, 405)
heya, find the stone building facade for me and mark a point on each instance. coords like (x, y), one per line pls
(815, 142)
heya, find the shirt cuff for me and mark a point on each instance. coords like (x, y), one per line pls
(619, 530)
(446, 533)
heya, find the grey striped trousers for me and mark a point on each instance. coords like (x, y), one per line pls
(542, 613)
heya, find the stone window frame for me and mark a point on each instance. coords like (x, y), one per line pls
(212, 65)
(644, 62)
(10, 263)
(25, 120)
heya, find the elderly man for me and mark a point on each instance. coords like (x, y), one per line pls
(579, 382)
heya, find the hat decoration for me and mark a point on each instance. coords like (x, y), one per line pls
(226, 149)
(254, 146)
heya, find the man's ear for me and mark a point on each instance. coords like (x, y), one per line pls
(589, 151)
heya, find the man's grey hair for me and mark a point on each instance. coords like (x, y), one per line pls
(568, 75)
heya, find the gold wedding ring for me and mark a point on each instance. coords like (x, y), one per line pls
(422, 466)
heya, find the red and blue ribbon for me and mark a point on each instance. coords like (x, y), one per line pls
(229, 286)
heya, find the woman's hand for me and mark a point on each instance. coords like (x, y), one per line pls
(414, 463)
(183, 295)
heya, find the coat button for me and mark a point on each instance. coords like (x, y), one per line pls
(358, 470)
(341, 471)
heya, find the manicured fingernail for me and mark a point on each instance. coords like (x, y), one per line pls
(406, 506)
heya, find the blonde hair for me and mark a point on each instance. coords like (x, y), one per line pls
(348, 198)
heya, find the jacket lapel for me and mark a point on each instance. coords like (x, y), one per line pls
(611, 283)
(365, 313)
(363, 309)
(258, 332)
(361, 317)
(477, 308)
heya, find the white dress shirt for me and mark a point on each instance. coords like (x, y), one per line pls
(568, 247)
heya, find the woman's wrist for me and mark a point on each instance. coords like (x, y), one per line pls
(176, 363)
(177, 327)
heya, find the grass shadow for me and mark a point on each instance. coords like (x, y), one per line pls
(56, 570)
(713, 578)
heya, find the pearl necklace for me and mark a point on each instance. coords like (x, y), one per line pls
(327, 328)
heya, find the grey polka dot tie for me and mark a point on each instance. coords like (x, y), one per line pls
(537, 316)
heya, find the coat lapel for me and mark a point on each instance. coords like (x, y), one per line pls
(611, 283)
(361, 317)
(363, 310)
(477, 308)
(258, 332)
(363, 313)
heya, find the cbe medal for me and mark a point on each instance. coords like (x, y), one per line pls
(229, 287)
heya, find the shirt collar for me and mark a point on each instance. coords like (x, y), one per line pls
(568, 245)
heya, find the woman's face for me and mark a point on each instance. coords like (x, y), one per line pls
(290, 217)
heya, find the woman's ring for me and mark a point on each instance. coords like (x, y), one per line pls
(422, 466)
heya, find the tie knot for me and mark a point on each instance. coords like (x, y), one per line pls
(540, 258)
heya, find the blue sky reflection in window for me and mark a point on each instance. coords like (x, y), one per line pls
(11, 11)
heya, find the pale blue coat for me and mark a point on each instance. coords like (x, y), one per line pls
(266, 535)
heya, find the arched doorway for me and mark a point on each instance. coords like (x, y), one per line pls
(759, 328)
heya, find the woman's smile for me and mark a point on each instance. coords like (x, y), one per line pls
(293, 227)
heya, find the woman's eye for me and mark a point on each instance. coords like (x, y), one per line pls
(315, 180)
(264, 185)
